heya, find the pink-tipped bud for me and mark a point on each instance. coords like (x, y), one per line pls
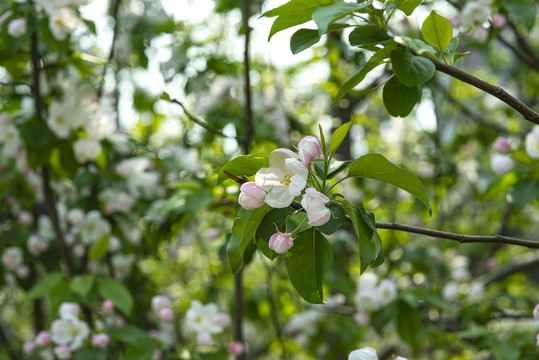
(309, 150)
(63, 352)
(43, 338)
(100, 340)
(160, 302)
(251, 196)
(17, 27)
(536, 312)
(166, 315)
(109, 208)
(204, 339)
(223, 320)
(363, 318)
(498, 21)
(314, 203)
(236, 348)
(501, 145)
(108, 306)
(280, 243)
(29, 347)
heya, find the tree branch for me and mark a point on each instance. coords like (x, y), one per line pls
(201, 122)
(496, 91)
(515, 268)
(114, 15)
(47, 190)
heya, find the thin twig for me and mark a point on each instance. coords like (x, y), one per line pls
(47, 190)
(201, 122)
(524, 44)
(524, 58)
(520, 266)
(496, 91)
(273, 308)
(115, 11)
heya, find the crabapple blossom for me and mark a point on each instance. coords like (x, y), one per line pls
(201, 318)
(236, 348)
(86, 150)
(36, 245)
(314, 203)
(498, 21)
(43, 338)
(93, 227)
(160, 302)
(68, 309)
(365, 353)
(309, 149)
(475, 12)
(501, 164)
(284, 179)
(204, 339)
(166, 315)
(107, 306)
(280, 243)
(251, 196)
(17, 27)
(62, 119)
(12, 257)
(400, 358)
(63, 352)
(100, 340)
(532, 143)
(363, 318)
(22, 271)
(501, 145)
(25, 217)
(223, 320)
(69, 330)
(63, 22)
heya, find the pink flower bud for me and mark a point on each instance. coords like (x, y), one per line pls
(29, 347)
(212, 233)
(79, 250)
(536, 312)
(63, 352)
(314, 203)
(223, 320)
(400, 358)
(501, 145)
(26, 218)
(363, 318)
(160, 302)
(109, 208)
(108, 306)
(501, 164)
(236, 348)
(251, 196)
(280, 243)
(309, 149)
(204, 339)
(166, 315)
(498, 21)
(100, 340)
(22, 271)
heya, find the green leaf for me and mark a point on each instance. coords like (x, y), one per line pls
(523, 10)
(82, 284)
(129, 334)
(409, 323)
(335, 221)
(245, 165)
(294, 12)
(99, 248)
(271, 223)
(323, 16)
(307, 262)
(410, 69)
(338, 136)
(376, 166)
(399, 99)
(322, 140)
(437, 31)
(408, 6)
(243, 230)
(45, 286)
(506, 350)
(420, 47)
(367, 35)
(112, 289)
(377, 59)
(452, 47)
(500, 184)
(525, 192)
(303, 39)
(90, 354)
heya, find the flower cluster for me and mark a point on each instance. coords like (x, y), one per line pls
(372, 295)
(536, 316)
(367, 353)
(279, 184)
(205, 320)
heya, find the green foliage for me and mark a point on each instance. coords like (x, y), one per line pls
(245, 165)
(99, 248)
(323, 16)
(45, 286)
(437, 31)
(303, 39)
(338, 136)
(376, 166)
(112, 289)
(307, 262)
(399, 99)
(525, 11)
(82, 284)
(368, 35)
(411, 70)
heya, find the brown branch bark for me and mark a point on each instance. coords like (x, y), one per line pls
(496, 91)
(45, 175)
(115, 10)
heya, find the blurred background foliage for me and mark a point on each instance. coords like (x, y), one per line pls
(172, 239)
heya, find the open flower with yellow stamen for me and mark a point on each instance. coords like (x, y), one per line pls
(285, 178)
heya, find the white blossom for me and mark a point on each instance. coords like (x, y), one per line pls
(532, 143)
(202, 318)
(93, 227)
(62, 119)
(501, 163)
(365, 353)
(17, 27)
(86, 150)
(10, 139)
(12, 257)
(63, 22)
(69, 330)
